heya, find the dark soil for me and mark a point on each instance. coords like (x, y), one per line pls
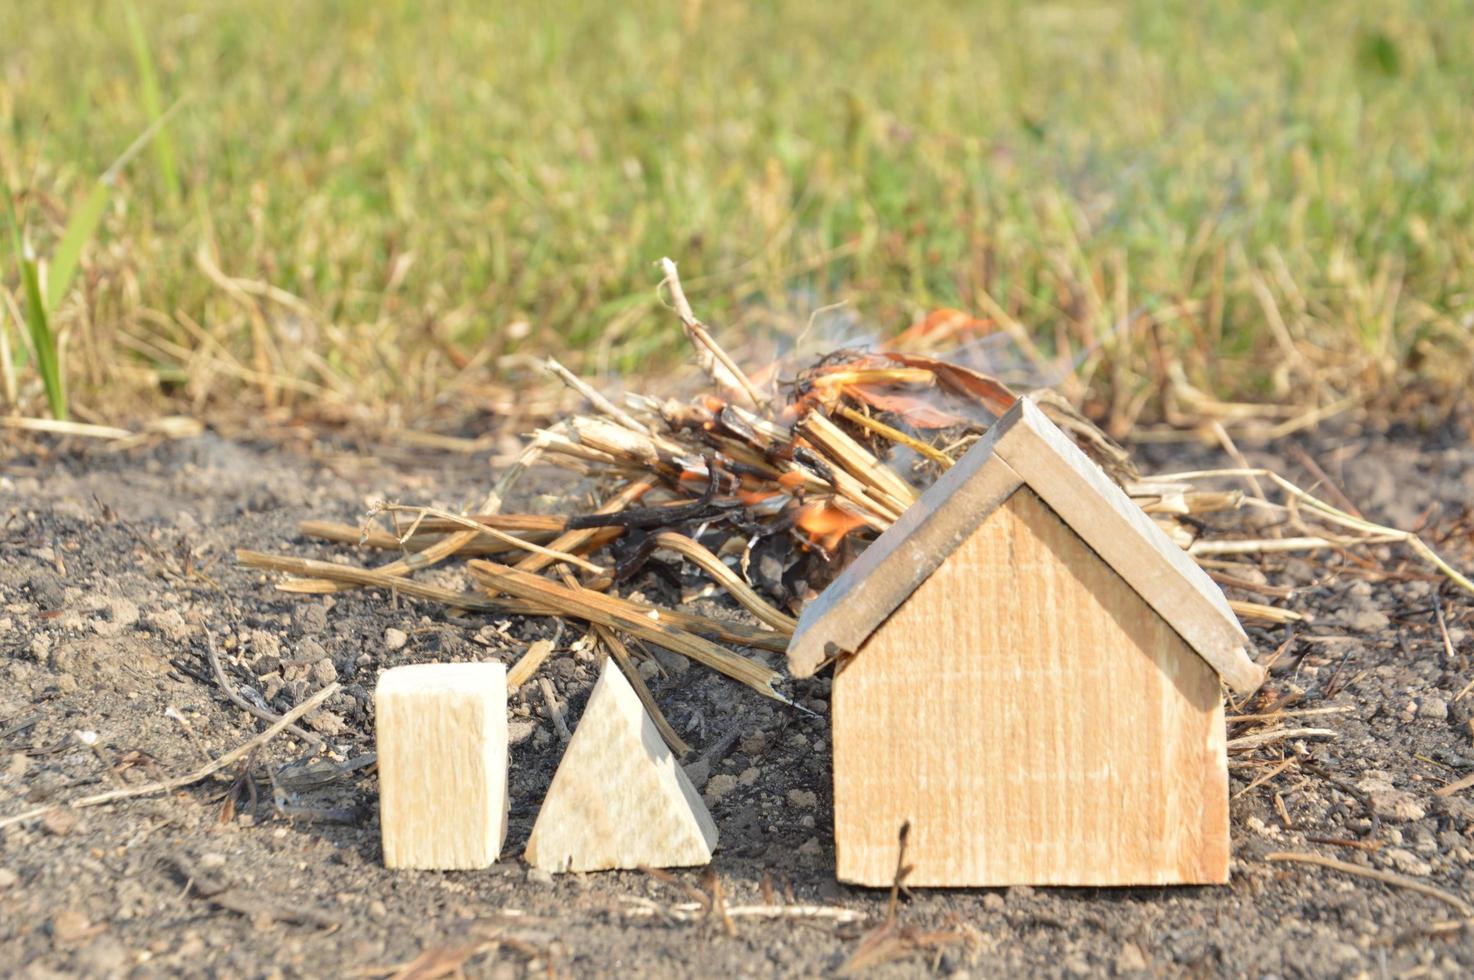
(115, 565)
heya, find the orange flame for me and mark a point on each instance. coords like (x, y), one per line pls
(826, 524)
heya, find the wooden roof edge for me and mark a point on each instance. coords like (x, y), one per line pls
(1025, 448)
(903, 556)
(1128, 540)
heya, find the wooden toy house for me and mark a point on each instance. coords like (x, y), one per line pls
(1028, 671)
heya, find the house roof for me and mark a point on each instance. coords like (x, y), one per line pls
(1024, 448)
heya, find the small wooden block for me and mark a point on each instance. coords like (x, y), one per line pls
(619, 799)
(442, 741)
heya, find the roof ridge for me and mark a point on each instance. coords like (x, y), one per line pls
(1025, 448)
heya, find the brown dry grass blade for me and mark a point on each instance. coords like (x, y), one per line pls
(648, 625)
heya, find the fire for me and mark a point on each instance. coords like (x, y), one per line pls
(827, 524)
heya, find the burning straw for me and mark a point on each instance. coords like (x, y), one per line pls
(768, 490)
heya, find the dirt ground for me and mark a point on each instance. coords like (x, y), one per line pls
(116, 564)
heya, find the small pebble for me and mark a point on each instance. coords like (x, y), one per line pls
(1434, 709)
(309, 618)
(541, 876)
(1406, 861)
(720, 785)
(395, 639)
(698, 772)
(323, 672)
(993, 902)
(8, 879)
(170, 623)
(804, 799)
(60, 821)
(1131, 959)
(212, 861)
(69, 925)
(519, 731)
(1369, 621)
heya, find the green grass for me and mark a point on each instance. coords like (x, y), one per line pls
(1275, 197)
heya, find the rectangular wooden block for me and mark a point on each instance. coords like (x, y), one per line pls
(442, 743)
(1035, 720)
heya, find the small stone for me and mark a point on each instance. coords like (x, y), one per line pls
(18, 764)
(1369, 621)
(323, 672)
(378, 910)
(395, 639)
(749, 776)
(804, 799)
(755, 744)
(674, 663)
(309, 618)
(1433, 708)
(1020, 893)
(8, 879)
(40, 647)
(810, 849)
(993, 902)
(265, 644)
(105, 956)
(1078, 966)
(59, 821)
(1131, 959)
(520, 731)
(649, 670)
(69, 925)
(698, 772)
(1395, 805)
(719, 786)
(170, 623)
(121, 614)
(1406, 861)
(212, 861)
(328, 723)
(540, 876)
(67, 684)
(47, 590)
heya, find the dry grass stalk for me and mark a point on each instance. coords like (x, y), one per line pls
(717, 569)
(859, 462)
(1263, 613)
(713, 360)
(1385, 877)
(501, 537)
(230, 758)
(1260, 739)
(527, 665)
(614, 613)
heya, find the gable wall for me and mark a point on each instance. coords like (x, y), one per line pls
(1035, 720)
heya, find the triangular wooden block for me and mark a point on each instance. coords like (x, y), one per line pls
(618, 799)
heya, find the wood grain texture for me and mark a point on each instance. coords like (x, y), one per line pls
(1036, 722)
(441, 733)
(842, 617)
(618, 799)
(1123, 534)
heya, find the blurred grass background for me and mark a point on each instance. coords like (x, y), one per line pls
(379, 204)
